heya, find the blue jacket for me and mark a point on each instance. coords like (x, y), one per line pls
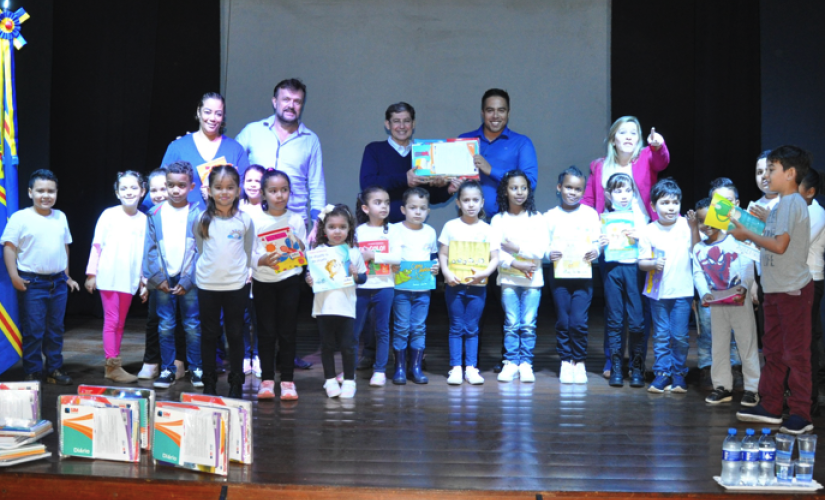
(154, 254)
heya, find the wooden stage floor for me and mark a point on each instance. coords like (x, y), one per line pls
(421, 441)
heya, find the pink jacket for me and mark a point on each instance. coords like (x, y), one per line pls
(645, 174)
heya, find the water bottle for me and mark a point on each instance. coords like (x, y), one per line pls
(750, 458)
(731, 459)
(767, 458)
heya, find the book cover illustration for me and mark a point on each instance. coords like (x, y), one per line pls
(616, 226)
(191, 436)
(329, 268)
(146, 408)
(721, 210)
(467, 258)
(93, 429)
(240, 422)
(415, 275)
(204, 168)
(283, 241)
(377, 246)
(511, 271)
(653, 280)
(573, 246)
(451, 157)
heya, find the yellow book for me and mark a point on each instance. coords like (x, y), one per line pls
(468, 258)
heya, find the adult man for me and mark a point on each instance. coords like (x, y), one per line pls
(501, 149)
(283, 142)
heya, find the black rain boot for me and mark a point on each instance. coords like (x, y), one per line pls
(399, 377)
(616, 379)
(415, 371)
(210, 383)
(637, 372)
(236, 381)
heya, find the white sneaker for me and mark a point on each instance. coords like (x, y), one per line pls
(340, 378)
(332, 388)
(149, 371)
(472, 375)
(525, 371)
(247, 366)
(456, 376)
(348, 389)
(566, 372)
(509, 372)
(256, 366)
(378, 379)
(579, 373)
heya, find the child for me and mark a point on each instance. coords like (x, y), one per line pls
(169, 255)
(718, 265)
(335, 309)
(416, 242)
(788, 302)
(251, 203)
(277, 290)
(115, 265)
(225, 236)
(672, 237)
(36, 251)
(377, 293)
(523, 235)
(763, 206)
(465, 299)
(572, 228)
(622, 293)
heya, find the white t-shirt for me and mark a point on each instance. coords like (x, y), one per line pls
(364, 233)
(560, 222)
(265, 222)
(816, 259)
(415, 244)
(118, 258)
(458, 230)
(254, 211)
(173, 221)
(339, 302)
(675, 241)
(224, 261)
(40, 240)
(529, 232)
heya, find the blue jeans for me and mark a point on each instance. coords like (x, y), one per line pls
(411, 310)
(464, 305)
(704, 341)
(572, 298)
(521, 307)
(380, 300)
(42, 308)
(167, 304)
(670, 335)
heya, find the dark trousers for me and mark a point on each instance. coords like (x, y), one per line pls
(232, 304)
(572, 298)
(623, 301)
(816, 337)
(335, 331)
(276, 305)
(42, 309)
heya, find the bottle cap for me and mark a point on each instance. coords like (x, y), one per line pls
(766, 431)
(731, 431)
(749, 432)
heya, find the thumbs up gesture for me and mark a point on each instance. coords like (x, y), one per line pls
(655, 140)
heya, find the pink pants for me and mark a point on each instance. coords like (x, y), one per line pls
(115, 308)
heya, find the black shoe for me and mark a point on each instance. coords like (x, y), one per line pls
(720, 395)
(738, 379)
(705, 382)
(210, 383)
(616, 379)
(498, 368)
(303, 365)
(796, 425)
(415, 371)
(399, 375)
(34, 376)
(750, 399)
(365, 363)
(165, 380)
(59, 378)
(637, 373)
(236, 381)
(758, 414)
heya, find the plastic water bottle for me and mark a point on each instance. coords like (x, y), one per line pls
(750, 458)
(767, 458)
(731, 459)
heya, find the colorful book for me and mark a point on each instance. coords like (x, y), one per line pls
(240, 422)
(467, 258)
(93, 429)
(721, 210)
(415, 275)
(146, 408)
(620, 246)
(204, 168)
(23, 454)
(378, 246)
(731, 297)
(573, 246)
(284, 242)
(329, 268)
(191, 436)
(511, 271)
(16, 429)
(451, 157)
(23, 403)
(653, 280)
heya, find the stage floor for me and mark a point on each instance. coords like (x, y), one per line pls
(426, 441)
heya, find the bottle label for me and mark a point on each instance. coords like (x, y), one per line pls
(731, 456)
(750, 456)
(767, 455)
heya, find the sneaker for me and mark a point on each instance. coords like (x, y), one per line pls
(525, 373)
(303, 365)
(196, 377)
(660, 384)
(59, 377)
(332, 388)
(758, 414)
(796, 425)
(165, 380)
(677, 384)
(566, 372)
(579, 373)
(288, 392)
(348, 389)
(378, 379)
(180, 371)
(340, 378)
(256, 366)
(247, 366)
(267, 390)
(509, 372)
(148, 372)
(472, 375)
(719, 395)
(34, 376)
(456, 376)
(750, 399)
(705, 381)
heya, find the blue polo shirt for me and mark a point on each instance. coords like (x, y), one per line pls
(506, 152)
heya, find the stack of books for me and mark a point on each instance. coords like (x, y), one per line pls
(20, 425)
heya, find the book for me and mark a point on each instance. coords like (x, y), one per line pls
(284, 242)
(25, 429)
(573, 246)
(25, 405)
(14, 442)
(146, 409)
(94, 429)
(204, 168)
(144, 431)
(377, 246)
(451, 157)
(616, 225)
(191, 436)
(329, 268)
(467, 258)
(721, 210)
(511, 271)
(240, 423)
(731, 297)
(653, 280)
(23, 454)
(415, 275)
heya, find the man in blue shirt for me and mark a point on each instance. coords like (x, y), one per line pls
(501, 149)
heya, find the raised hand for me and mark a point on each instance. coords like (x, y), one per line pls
(655, 140)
